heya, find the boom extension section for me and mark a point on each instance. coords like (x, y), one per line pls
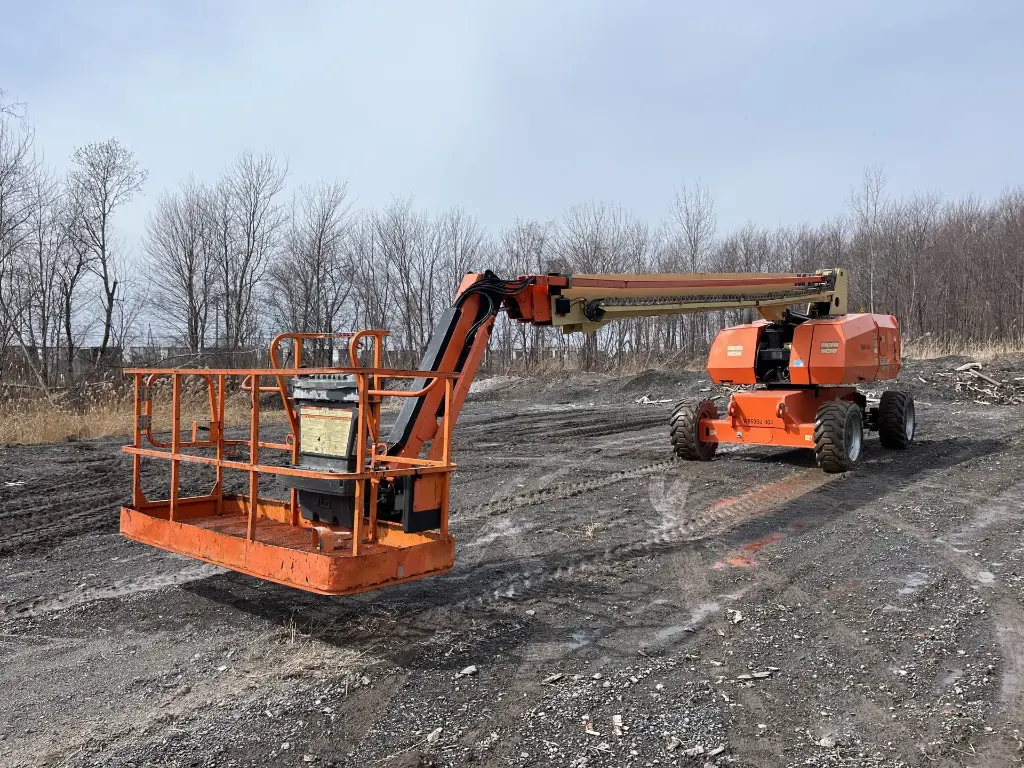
(365, 509)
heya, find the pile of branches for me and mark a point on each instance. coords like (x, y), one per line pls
(970, 383)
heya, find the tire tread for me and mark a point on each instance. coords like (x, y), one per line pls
(684, 429)
(892, 418)
(829, 435)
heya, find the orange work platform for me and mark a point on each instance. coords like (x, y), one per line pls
(270, 539)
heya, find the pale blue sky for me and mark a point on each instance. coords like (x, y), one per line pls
(524, 108)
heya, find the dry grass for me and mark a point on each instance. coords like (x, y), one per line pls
(932, 347)
(294, 651)
(109, 412)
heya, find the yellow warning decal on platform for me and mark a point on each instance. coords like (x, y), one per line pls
(325, 430)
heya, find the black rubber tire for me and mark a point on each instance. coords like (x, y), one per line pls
(684, 428)
(838, 436)
(897, 419)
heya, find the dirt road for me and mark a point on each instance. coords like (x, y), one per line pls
(609, 606)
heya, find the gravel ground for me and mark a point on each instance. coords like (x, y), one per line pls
(609, 606)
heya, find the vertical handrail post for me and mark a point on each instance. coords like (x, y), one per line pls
(446, 427)
(175, 442)
(254, 457)
(373, 485)
(360, 483)
(137, 497)
(293, 494)
(212, 396)
(221, 406)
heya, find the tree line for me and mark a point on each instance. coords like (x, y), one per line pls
(222, 265)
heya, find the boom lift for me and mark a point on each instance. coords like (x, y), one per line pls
(364, 512)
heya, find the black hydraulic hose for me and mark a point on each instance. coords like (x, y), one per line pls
(491, 312)
(493, 287)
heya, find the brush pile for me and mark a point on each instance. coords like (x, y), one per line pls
(969, 382)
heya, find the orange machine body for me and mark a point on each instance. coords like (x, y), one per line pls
(734, 353)
(366, 509)
(827, 351)
(827, 358)
(845, 350)
(783, 417)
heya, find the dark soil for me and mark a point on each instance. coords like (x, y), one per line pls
(620, 608)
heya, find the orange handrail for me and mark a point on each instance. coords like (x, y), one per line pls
(372, 466)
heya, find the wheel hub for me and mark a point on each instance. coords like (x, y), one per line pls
(854, 440)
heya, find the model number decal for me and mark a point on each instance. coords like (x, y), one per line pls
(829, 347)
(734, 350)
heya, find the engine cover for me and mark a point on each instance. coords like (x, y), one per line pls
(849, 349)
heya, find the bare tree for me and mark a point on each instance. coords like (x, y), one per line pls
(9, 108)
(74, 267)
(462, 241)
(690, 240)
(179, 251)
(18, 168)
(591, 239)
(44, 252)
(312, 281)
(402, 239)
(248, 221)
(694, 222)
(633, 338)
(867, 203)
(105, 176)
(370, 273)
(523, 248)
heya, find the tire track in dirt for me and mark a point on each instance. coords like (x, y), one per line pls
(566, 490)
(31, 530)
(65, 508)
(719, 517)
(42, 605)
(1004, 749)
(713, 520)
(72, 493)
(677, 528)
(954, 548)
(54, 523)
(563, 424)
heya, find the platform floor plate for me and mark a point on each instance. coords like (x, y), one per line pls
(285, 554)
